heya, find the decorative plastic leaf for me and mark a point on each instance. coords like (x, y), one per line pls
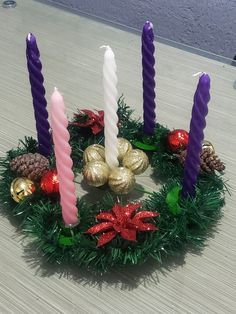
(172, 200)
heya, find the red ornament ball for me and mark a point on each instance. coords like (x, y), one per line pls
(177, 140)
(49, 182)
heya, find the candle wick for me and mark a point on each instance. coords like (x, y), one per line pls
(55, 89)
(104, 46)
(199, 73)
(29, 36)
(149, 24)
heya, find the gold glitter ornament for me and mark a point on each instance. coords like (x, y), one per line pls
(94, 152)
(96, 173)
(207, 144)
(136, 160)
(21, 188)
(121, 180)
(124, 146)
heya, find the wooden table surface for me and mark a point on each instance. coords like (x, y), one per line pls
(72, 61)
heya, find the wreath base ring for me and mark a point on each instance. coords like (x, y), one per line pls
(182, 223)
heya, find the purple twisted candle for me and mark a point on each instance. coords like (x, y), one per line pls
(38, 94)
(196, 135)
(148, 62)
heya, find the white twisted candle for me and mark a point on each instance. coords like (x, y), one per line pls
(64, 163)
(110, 108)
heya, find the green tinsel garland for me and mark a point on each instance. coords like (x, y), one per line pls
(39, 216)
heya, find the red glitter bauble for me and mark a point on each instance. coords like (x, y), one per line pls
(49, 182)
(177, 140)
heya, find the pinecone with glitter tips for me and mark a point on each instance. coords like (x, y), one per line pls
(31, 166)
(208, 160)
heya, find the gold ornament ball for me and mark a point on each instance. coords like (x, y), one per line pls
(96, 173)
(124, 146)
(207, 144)
(94, 152)
(21, 188)
(121, 180)
(136, 160)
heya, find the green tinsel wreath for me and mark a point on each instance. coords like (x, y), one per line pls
(39, 216)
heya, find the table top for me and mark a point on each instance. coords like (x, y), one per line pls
(69, 46)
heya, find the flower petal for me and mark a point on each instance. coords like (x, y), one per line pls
(117, 210)
(145, 214)
(101, 116)
(146, 227)
(89, 113)
(134, 205)
(82, 124)
(125, 212)
(129, 209)
(103, 226)
(117, 226)
(96, 128)
(106, 237)
(106, 216)
(128, 234)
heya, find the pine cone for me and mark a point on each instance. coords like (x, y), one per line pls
(182, 156)
(31, 166)
(208, 160)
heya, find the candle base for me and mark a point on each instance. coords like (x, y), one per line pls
(72, 225)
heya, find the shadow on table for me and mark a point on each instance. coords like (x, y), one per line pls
(127, 278)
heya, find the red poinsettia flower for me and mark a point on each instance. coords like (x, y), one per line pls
(123, 220)
(90, 119)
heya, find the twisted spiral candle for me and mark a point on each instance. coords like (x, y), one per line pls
(64, 163)
(196, 135)
(148, 62)
(38, 94)
(110, 108)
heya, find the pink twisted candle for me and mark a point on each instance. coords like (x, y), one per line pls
(64, 162)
